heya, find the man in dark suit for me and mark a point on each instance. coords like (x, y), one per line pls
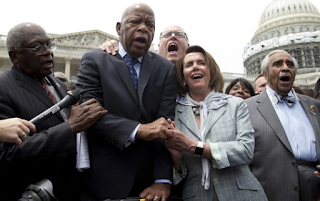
(287, 134)
(49, 152)
(127, 156)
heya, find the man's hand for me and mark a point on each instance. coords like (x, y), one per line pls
(317, 174)
(15, 130)
(111, 47)
(83, 115)
(156, 192)
(158, 129)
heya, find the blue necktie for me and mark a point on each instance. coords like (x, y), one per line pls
(130, 63)
(290, 100)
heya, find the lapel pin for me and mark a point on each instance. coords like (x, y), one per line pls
(312, 108)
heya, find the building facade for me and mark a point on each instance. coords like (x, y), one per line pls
(293, 26)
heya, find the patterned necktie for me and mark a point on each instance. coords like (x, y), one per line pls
(50, 93)
(130, 63)
(290, 100)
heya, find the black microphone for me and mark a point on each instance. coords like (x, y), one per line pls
(68, 100)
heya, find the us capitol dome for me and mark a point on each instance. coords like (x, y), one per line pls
(290, 25)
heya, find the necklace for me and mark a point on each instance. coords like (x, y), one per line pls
(195, 111)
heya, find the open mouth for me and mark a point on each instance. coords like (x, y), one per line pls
(48, 63)
(173, 47)
(285, 78)
(197, 77)
(141, 40)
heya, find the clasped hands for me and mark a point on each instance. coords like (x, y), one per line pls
(165, 131)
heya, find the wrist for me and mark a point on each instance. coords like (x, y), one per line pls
(199, 149)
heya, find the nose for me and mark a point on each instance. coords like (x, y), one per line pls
(142, 28)
(173, 35)
(47, 51)
(195, 66)
(240, 92)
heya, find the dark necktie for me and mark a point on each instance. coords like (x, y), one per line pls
(290, 100)
(49, 92)
(130, 63)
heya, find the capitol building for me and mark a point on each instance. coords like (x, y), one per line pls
(291, 25)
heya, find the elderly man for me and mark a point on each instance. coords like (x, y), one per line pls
(138, 88)
(287, 134)
(49, 152)
(172, 44)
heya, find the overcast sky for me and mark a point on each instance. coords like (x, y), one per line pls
(222, 27)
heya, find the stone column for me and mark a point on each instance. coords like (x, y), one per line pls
(67, 67)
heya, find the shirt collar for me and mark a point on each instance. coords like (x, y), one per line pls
(274, 99)
(123, 52)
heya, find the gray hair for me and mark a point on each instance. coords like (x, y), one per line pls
(16, 35)
(266, 61)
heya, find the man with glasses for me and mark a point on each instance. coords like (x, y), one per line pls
(49, 152)
(172, 44)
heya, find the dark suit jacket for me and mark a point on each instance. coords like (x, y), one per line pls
(273, 163)
(47, 154)
(114, 167)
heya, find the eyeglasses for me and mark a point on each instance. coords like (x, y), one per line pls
(41, 48)
(176, 33)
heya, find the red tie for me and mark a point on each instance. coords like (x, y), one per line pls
(50, 93)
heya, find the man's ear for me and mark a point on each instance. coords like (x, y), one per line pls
(118, 26)
(13, 57)
(265, 75)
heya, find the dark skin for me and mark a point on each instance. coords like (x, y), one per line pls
(37, 65)
(136, 32)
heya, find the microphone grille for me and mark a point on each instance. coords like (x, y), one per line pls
(75, 96)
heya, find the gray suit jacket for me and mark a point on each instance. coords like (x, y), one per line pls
(273, 163)
(230, 128)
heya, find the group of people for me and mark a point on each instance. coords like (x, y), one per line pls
(142, 139)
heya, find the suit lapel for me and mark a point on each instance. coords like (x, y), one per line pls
(267, 111)
(213, 117)
(147, 66)
(313, 117)
(34, 87)
(185, 115)
(120, 65)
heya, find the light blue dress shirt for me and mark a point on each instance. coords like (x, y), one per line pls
(297, 126)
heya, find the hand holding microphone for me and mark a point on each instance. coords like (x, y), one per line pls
(82, 116)
(68, 100)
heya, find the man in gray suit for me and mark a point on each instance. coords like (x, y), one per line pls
(50, 151)
(287, 134)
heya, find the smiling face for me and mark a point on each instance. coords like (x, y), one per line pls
(137, 29)
(240, 91)
(281, 72)
(196, 74)
(28, 61)
(173, 46)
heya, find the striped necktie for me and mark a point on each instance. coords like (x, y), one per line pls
(130, 63)
(51, 95)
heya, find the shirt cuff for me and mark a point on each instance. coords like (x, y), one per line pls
(164, 181)
(132, 136)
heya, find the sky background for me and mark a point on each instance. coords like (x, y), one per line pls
(222, 27)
